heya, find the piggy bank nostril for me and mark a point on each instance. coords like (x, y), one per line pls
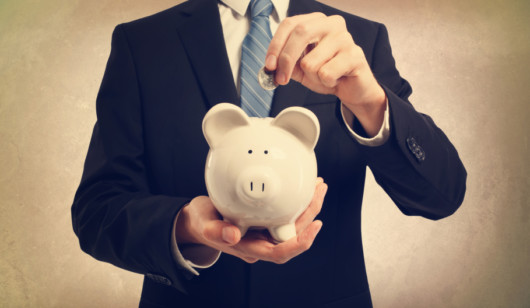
(252, 186)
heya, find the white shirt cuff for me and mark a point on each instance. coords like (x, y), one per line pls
(377, 140)
(192, 256)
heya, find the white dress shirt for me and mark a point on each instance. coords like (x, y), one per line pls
(235, 20)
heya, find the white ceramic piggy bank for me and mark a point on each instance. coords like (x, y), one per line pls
(261, 172)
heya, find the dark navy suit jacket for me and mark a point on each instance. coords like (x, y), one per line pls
(147, 155)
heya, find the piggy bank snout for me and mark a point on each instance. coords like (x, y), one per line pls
(257, 185)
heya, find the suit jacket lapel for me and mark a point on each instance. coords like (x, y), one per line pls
(292, 94)
(202, 36)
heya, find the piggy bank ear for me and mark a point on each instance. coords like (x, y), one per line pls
(221, 119)
(300, 122)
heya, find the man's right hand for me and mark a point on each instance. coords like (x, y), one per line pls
(200, 223)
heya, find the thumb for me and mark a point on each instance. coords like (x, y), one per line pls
(222, 232)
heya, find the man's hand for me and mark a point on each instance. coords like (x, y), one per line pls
(200, 223)
(319, 52)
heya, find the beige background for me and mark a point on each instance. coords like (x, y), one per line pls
(468, 61)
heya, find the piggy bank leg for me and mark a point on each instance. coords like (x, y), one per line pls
(243, 229)
(283, 233)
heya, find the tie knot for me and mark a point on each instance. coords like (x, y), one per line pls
(261, 8)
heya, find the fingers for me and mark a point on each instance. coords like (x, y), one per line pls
(221, 232)
(204, 223)
(257, 246)
(290, 41)
(293, 37)
(252, 249)
(286, 251)
(314, 208)
(282, 35)
(301, 37)
(335, 57)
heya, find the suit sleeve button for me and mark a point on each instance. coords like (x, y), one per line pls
(415, 149)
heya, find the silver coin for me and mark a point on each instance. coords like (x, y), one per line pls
(266, 79)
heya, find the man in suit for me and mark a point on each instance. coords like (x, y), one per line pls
(141, 203)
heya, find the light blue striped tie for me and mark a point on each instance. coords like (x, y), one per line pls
(255, 100)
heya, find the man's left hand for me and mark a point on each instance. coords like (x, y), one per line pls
(320, 53)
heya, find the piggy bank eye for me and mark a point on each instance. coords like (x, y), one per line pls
(249, 151)
(266, 152)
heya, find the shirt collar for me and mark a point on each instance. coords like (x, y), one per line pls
(241, 6)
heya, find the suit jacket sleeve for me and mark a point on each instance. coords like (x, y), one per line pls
(418, 166)
(114, 215)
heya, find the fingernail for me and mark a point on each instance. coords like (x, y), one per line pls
(228, 235)
(323, 189)
(319, 227)
(270, 62)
